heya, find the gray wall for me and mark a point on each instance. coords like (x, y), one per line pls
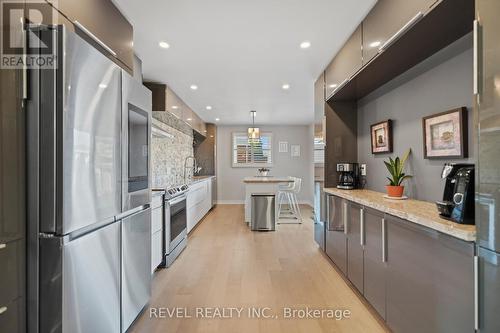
(230, 187)
(440, 83)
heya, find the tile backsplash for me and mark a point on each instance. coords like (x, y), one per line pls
(168, 154)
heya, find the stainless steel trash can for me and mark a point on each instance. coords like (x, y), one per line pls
(263, 216)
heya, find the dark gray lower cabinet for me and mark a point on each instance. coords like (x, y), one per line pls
(374, 263)
(354, 246)
(336, 240)
(336, 249)
(430, 280)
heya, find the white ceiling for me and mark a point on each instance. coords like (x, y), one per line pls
(240, 52)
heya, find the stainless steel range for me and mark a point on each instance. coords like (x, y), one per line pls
(175, 223)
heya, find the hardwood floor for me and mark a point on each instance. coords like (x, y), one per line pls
(227, 265)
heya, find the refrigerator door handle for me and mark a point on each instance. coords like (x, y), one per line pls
(477, 61)
(476, 293)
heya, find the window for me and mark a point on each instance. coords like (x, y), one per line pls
(319, 150)
(252, 153)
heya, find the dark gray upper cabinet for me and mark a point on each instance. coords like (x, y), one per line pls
(345, 64)
(385, 19)
(102, 19)
(336, 240)
(355, 246)
(430, 280)
(374, 261)
(319, 97)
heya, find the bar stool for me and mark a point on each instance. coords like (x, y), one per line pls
(290, 195)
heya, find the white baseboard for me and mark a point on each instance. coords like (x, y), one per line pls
(230, 202)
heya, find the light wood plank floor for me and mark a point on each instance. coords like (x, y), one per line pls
(227, 265)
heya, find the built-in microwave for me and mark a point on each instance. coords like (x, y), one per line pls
(136, 150)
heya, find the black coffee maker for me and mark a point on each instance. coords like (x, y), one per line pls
(348, 176)
(458, 197)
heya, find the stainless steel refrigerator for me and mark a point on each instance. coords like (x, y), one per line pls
(487, 94)
(89, 190)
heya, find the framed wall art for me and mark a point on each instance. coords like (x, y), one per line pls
(445, 134)
(381, 137)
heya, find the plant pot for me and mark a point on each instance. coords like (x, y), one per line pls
(395, 191)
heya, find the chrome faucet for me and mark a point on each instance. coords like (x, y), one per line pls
(195, 169)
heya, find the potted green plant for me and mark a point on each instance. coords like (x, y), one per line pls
(396, 170)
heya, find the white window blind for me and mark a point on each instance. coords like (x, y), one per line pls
(249, 153)
(319, 150)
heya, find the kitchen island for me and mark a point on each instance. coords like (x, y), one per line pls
(255, 185)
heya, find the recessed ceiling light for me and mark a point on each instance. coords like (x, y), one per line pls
(209, 107)
(217, 119)
(375, 44)
(164, 45)
(175, 107)
(193, 87)
(189, 119)
(286, 86)
(103, 86)
(305, 44)
(333, 85)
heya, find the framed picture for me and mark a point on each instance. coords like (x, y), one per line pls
(295, 149)
(381, 134)
(445, 134)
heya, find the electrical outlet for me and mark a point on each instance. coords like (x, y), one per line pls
(363, 169)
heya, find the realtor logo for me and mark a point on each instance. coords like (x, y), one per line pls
(25, 39)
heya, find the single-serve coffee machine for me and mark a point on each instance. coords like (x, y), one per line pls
(458, 196)
(348, 176)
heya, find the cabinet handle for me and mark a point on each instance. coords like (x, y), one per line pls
(94, 37)
(362, 226)
(3, 246)
(3, 309)
(384, 241)
(344, 215)
(401, 31)
(476, 293)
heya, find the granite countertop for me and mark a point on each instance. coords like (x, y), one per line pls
(419, 212)
(267, 180)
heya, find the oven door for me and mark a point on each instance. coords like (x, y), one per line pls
(136, 143)
(178, 222)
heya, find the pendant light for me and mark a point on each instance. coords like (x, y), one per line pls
(253, 132)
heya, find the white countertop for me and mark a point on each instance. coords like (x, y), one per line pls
(267, 180)
(419, 212)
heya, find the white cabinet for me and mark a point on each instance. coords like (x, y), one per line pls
(199, 202)
(156, 231)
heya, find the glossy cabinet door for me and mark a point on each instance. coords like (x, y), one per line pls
(319, 98)
(488, 109)
(103, 19)
(430, 280)
(174, 104)
(354, 246)
(374, 260)
(385, 19)
(336, 240)
(346, 63)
